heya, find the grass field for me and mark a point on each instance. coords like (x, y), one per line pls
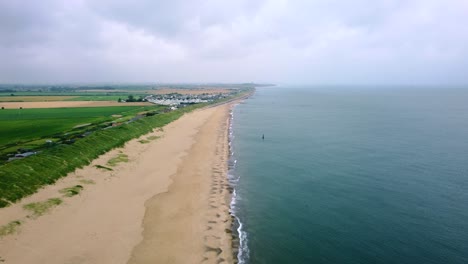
(99, 98)
(22, 125)
(71, 93)
(71, 97)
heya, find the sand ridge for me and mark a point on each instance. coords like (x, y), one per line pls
(103, 224)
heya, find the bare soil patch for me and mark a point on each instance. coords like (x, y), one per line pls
(82, 125)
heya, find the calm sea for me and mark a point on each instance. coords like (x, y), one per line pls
(352, 175)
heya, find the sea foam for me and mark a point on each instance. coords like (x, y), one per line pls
(243, 253)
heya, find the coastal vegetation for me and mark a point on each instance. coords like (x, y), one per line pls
(148, 139)
(87, 181)
(103, 167)
(9, 228)
(39, 208)
(71, 191)
(70, 150)
(117, 159)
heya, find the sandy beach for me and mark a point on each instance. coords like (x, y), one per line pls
(168, 204)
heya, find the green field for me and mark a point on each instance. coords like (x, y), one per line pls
(23, 125)
(52, 98)
(44, 97)
(71, 93)
(99, 98)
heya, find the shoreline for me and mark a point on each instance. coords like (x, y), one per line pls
(238, 236)
(105, 223)
(198, 224)
(236, 224)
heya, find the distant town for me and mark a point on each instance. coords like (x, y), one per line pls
(175, 99)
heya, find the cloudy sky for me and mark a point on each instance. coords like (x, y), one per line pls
(301, 41)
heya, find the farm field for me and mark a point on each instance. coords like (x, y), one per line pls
(22, 125)
(113, 98)
(32, 98)
(76, 96)
(67, 104)
(68, 93)
(102, 94)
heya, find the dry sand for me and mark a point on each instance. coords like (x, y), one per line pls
(168, 204)
(61, 104)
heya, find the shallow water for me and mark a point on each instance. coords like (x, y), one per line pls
(353, 175)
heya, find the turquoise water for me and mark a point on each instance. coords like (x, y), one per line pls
(351, 175)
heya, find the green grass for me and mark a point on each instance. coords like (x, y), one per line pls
(103, 167)
(86, 181)
(71, 191)
(21, 125)
(101, 97)
(117, 159)
(78, 93)
(41, 208)
(9, 228)
(148, 139)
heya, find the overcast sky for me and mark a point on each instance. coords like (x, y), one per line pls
(302, 41)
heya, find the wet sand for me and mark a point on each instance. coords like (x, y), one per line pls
(168, 204)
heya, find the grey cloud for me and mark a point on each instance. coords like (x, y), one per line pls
(321, 41)
(23, 23)
(170, 18)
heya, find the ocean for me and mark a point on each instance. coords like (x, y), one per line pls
(351, 175)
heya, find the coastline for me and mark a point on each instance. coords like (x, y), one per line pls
(111, 220)
(189, 222)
